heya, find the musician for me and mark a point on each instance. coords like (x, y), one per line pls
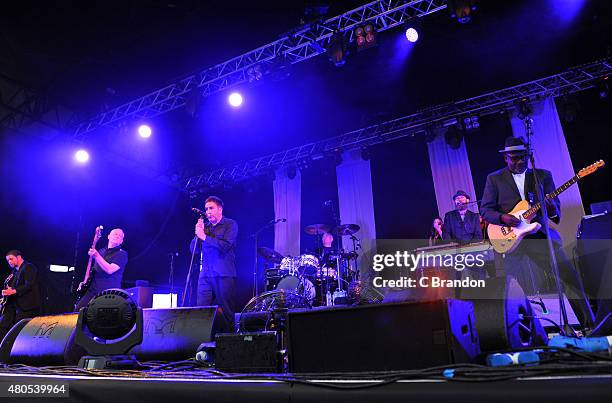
(108, 268)
(21, 293)
(462, 225)
(503, 190)
(217, 279)
(435, 232)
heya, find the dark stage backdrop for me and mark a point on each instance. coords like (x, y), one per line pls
(402, 185)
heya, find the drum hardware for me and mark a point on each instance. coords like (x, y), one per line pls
(269, 255)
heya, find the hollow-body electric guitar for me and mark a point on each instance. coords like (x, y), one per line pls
(506, 239)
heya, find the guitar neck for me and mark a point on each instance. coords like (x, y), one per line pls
(536, 207)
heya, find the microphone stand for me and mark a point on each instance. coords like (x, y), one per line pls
(195, 241)
(171, 275)
(567, 329)
(255, 236)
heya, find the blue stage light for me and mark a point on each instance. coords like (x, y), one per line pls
(144, 131)
(235, 99)
(82, 156)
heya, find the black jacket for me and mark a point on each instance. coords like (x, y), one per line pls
(25, 282)
(219, 249)
(466, 231)
(500, 194)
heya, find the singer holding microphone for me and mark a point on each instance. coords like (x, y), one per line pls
(462, 225)
(215, 239)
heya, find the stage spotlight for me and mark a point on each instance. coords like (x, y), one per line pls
(82, 156)
(107, 328)
(461, 10)
(235, 99)
(365, 36)
(524, 109)
(453, 137)
(603, 88)
(144, 131)
(336, 50)
(412, 35)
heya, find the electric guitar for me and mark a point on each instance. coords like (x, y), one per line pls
(4, 298)
(506, 239)
(88, 273)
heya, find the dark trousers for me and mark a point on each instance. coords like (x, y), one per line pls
(12, 314)
(89, 295)
(218, 291)
(531, 260)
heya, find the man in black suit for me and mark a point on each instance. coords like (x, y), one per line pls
(462, 225)
(503, 190)
(21, 293)
(217, 279)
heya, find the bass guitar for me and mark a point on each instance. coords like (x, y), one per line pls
(506, 239)
(4, 299)
(89, 275)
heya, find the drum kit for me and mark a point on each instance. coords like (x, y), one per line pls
(323, 278)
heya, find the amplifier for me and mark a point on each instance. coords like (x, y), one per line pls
(247, 352)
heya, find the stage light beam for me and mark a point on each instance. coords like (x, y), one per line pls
(235, 99)
(145, 131)
(81, 156)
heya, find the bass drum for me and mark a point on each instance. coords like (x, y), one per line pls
(303, 287)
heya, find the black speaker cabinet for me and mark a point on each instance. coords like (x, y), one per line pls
(382, 337)
(44, 340)
(247, 352)
(504, 316)
(169, 334)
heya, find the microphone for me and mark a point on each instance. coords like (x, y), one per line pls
(198, 211)
(277, 221)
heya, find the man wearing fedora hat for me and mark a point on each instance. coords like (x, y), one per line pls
(503, 190)
(462, 225)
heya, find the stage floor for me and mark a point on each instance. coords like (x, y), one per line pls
(129, 386)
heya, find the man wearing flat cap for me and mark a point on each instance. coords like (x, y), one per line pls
(503, 190)
(462, 225)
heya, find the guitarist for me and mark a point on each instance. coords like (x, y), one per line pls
(21, 294)
(503, 190)
(108, 268)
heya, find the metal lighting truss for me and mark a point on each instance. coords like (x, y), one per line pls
(301, 44)
(573, 80)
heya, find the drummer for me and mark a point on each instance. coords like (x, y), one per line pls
(327, 240)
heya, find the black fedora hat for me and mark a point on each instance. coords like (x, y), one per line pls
(513, 144)
(461, 193)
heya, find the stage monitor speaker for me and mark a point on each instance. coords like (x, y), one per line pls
(382, 337)
(175, 333)
(169, 334)
(43, 340)
(504, 316)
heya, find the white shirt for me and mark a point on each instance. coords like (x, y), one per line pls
(519, 179)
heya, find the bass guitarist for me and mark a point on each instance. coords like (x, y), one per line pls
(503, 190)
(107, 271)
(20, 294)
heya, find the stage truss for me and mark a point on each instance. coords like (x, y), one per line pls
(573, 80)
(301, 44)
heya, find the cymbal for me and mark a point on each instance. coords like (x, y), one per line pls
(270, 254)
(346, 229)
(316, 229)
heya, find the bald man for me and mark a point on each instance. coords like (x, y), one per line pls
(108, 268)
